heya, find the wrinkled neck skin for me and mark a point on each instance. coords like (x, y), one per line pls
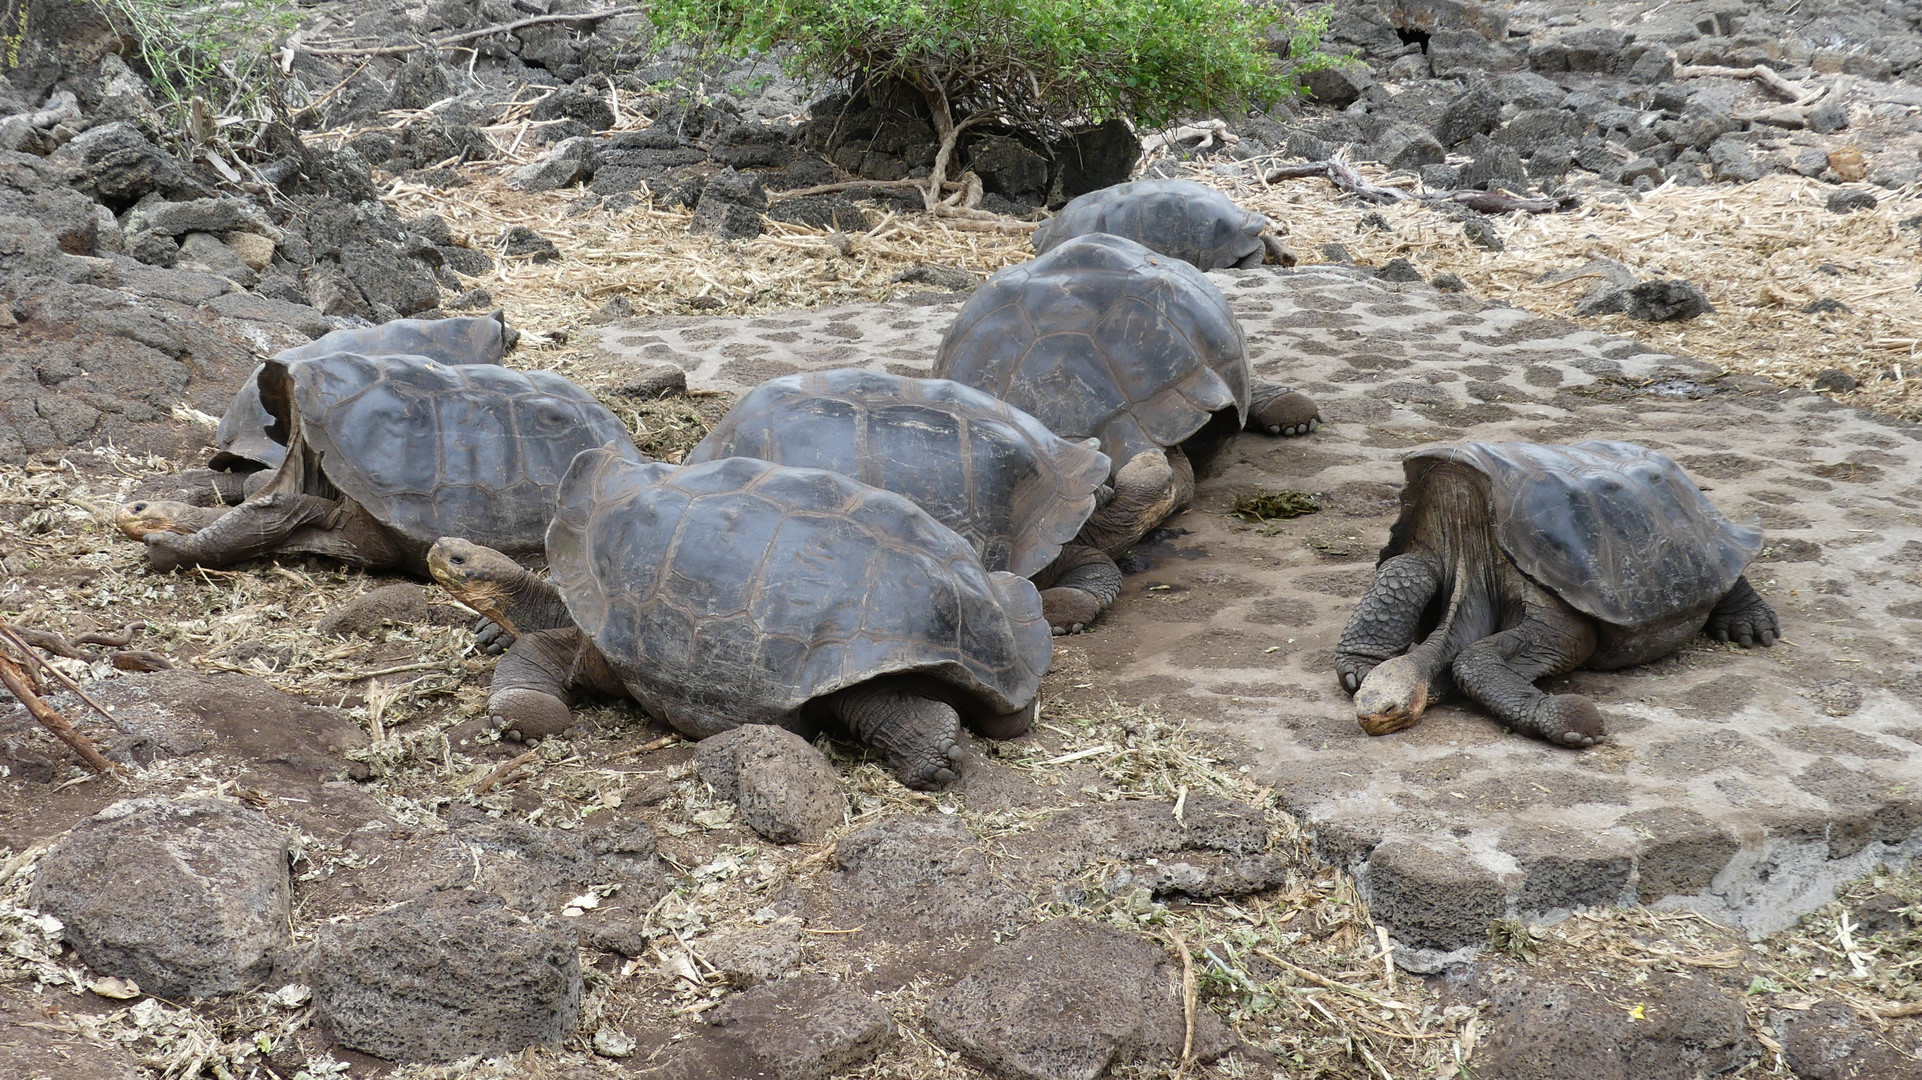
(1480, 588)
(521, 604)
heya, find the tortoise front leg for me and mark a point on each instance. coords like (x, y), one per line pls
(1274, 409)
(919, 736)
(1743, 617)
(253, 528)
(1499, 671)
(1383, 625)
(530, 692)
(1077, 587)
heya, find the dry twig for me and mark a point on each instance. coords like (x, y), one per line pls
(17, 681)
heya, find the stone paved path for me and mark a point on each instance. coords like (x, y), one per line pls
(1742, 784)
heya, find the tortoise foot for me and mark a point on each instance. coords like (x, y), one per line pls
(1069, 610)
(932, 768)
(1570, 720)
(1747, 626)
(492, 638)
(1287, 413)
(528, 714)
(1352, 670)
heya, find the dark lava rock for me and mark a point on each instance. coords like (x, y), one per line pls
(809, 1028)
(921, 877)
(589, 109)
(1009, 167)
(1477, 111)
(1830, 116)
(1338, 86)
(1638, 169)
(1069, 1000)
(1835, 381)
(1096, 157)
(521, 241)
(821, 212)
(786, 789)
(754, 145)
(188, 898)
(753, 955)
(35, 190)
(1824, 306)
(445, 977)
(569, 162)
(120, 165)
(1405, 146)
(1672, 300)
(1398, 269)
(1483, 234)
(1542, 1030)
(1849, 200)
(1733, 160)
(1449, 283)
(730, 206)
(1494, 166)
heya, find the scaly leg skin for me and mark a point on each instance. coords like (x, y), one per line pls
(919, 736)
(1276, 410)
(1743, 617)
(1499, 671)
(529, 695)
(1383, 625)
(253, 528)
(1080, 584)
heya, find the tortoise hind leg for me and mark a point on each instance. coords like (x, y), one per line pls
(1743, 617)
(1383, 625)
(920, 737)
(1274, 409)
(1500, 670)
(256, 527)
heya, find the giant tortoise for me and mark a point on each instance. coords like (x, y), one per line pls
(1102, 338)
(741, 592)
(244, 454)
(1014, 490)
(385, 455)
(1178, 218)
(1513, 562)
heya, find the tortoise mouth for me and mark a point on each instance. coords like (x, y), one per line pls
(138, 520)
(1379, 716)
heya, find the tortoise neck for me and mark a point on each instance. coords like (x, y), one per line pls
(525, 603)
(1451, 523)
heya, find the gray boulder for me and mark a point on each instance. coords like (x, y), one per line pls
(187, 898)
(786, 789)
(1070, 1000)
(1477, 111)
(570, 162)
(446, 977)
(798, 1029)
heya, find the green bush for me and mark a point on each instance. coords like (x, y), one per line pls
(216, 53)
(1035, 64)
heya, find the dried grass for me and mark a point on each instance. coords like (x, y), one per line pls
(1760, 251)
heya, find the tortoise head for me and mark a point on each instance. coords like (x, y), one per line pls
(1393, 696)
(476, 575)
(139, 519)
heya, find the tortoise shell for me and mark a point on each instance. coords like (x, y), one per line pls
(1615, 529)
(736, 591)
(432, 450)
(1178, 218)
(1103, 338)
(241, 442)
(1013, 489)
